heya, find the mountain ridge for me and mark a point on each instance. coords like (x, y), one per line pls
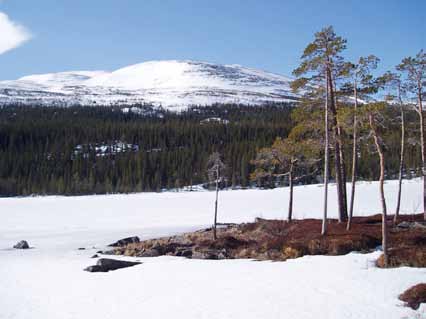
(173, 84)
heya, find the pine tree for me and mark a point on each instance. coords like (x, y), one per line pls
(321, 60)
(361, 86)
(415, 70)
(287, 157)
(393, 81)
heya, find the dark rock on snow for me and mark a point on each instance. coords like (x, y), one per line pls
(23, 244)
(125, 241)
(94, 256)
(149, 253)
(105, 265)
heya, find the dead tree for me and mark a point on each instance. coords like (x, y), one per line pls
(215, 171)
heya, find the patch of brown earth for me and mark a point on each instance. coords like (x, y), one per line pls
(408, 256)
(281, 240)
(414, 296)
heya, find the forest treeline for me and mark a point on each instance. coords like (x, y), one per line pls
(95, 150)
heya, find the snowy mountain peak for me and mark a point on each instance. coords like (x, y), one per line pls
(171, 83)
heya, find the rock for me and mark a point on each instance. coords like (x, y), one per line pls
(82, 248)
(95, 268)
(23, 244)
(411, 225)
(149, 253)
(210, 254)
(94, 256)
(125, 241)
(404, 225)
(106, 264)
(184, 252)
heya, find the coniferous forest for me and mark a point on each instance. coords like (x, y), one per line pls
(96, 150)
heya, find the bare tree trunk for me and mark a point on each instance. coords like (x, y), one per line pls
(401, 160)
(354, 157)
(326, 158)
(337, 162)
(215, 204)
(382, 192)
(342, 158)
(290, 200)
(343, 170)
(422, 143)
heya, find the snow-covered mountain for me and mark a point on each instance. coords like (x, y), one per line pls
(171, 84)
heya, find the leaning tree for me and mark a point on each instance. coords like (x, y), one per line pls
(415, 70)
(375, 122)
(393, 82)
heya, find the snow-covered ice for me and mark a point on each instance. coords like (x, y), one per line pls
(48, 281)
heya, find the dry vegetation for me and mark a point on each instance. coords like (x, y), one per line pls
(414, 296)
(281, 240)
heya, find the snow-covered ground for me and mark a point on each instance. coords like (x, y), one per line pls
(48, 281)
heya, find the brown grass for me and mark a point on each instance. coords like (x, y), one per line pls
(280, 240)
(414, 296)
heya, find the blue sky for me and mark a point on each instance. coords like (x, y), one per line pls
(270, 35)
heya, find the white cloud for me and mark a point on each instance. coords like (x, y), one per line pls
(12, 34)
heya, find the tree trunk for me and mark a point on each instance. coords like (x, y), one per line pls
(290, 200)
(342, 158)
(337, 162)
(326, 158)
(401, 160)
(382, 192)
(215, 204)
(422, 143)
(354, 157)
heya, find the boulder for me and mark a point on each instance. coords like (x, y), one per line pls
(23, 244)
(412, 225)
(184, 252)
(106, 264)
(152, 252)
(214, 254)
(125, 241)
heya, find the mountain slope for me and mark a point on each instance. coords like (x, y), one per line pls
(171, 84)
